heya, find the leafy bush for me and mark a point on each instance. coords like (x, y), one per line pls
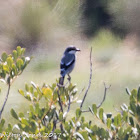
(47, 117)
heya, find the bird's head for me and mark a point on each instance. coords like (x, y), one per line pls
(71, 49)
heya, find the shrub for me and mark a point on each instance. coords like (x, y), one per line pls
(47, 117)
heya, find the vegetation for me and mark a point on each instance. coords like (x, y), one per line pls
(47, 117)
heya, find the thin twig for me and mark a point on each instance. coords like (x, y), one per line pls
(5, 100)
(81, 91)
(105, 91)
(89, 80)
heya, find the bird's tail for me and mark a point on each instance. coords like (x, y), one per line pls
(61, 80)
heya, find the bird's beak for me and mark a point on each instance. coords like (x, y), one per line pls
(77, 49)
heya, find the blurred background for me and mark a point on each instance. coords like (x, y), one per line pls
(45, 28)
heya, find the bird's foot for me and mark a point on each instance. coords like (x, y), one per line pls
(59, 85)
(69, 78)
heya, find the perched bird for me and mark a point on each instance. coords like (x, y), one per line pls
(67, 63)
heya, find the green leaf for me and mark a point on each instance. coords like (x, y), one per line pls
(103, 134)
(134, 92)
(82, 119)
(33, 126)
(3, 75)
(55, 95)
(61, 116)
(36, 94)
(47, 92)
(24, 121)
(131, 121)
(115, 121)
(94, 108)
(23, 51)
(133, 107)
(119, 119)
(9, 129)
(21, 115)
(21, 92)
(37, 108)
(14, 114)
(19, 63)
(2, 124)
(138, 111)
(27, 87)
(31, 89)
(4, 56)
(94, 129)
(18, 50)
(28, 97)
(9, 61)
(78, 113)
(6, 68)
(32, 109)
(14, 68)
(138, 95)
(120, 132)
(67, 127)
(125, 116)
(109, 123)
(101, 113)
(15, 56)
(85, 135)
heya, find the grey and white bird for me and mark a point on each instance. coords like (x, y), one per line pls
(67, 63)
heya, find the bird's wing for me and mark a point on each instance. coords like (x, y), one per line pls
(66, 62)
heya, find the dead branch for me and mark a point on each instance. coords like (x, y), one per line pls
(89, 84)
(59, 100)
(104, 97)
(105, 91)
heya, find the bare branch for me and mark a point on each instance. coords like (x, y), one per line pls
(59, 100)
(81, 91)
(5, 100)
(89, 80)
(105, 91)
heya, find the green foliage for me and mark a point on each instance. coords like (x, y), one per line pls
(13, 65)
(50, 106)
(14, 114)
(42, 117)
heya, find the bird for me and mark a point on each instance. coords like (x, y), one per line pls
(67, 62)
